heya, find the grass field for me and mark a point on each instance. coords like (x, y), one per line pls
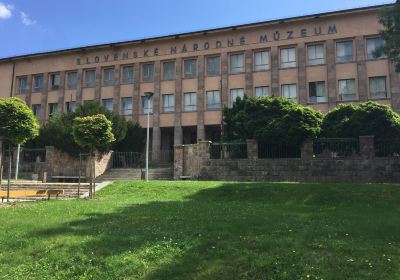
(207, 230)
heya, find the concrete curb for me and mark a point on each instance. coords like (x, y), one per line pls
(99, 186)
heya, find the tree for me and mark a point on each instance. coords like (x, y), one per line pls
(17, 125)
(134, 141)
(390, 19)
(94, 132)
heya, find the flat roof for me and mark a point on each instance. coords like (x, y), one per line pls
(199, 32)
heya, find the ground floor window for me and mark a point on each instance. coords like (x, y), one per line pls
(347, 90)
(377, 87)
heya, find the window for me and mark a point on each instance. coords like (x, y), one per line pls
(190, 99)
(90, 78)
(71, 106)
(53, 108)
(37, 110)
(213, 66)
(108, 76)
(127, 74)
(168, 102)
(372, 45)
(54, 81)
(237, 63)
(261, 61)
(315, 54)
(288, 57)
(148, 71)
(377, 87)
(127, 106)
(289, 91)
(22, 85)
(169, 70)
(235, 93)
(72, 80)
(261, 91)
(213, 99)
(316, 92)
(190, 68)
(344, 51)
(37, 83)
(347, 90)
(108, 104)
(147, 104)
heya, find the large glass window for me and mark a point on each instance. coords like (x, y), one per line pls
(168, 102)
(213, 66)
(288, 57)
(315, 54)
(108, 76)
(126, 106)
(236, 93)
(72, 80)
(37, 83)
(71, 106)
(90, 78)
(22, 85)
(344, 51)
(53, 108)
(190, 68)
(190, 102)
(289, 91)
(237, 63)
(37, 110)
(108, 104)
(372, 45)
(127, 74)
(261, 61)
(347, 90)
(317, 92)
(377, 87)
(148, 72)
(55, 81)
(147, 104)
(169, 70)
(261, 91)
(213, 99)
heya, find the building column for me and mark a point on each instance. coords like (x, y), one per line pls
(136, 93)
(248, 54)
(156, 145)
(200, 98)
(28, 95)
(178, 102)
(79, 81)
(361, 69)
(302, 73)
(275, 71)
(394, 79)
(331, 73)
(117, 90)
(224, 80)
(97, 89)
(43, 103)
(61, 92)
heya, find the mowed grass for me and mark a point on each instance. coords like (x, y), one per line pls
(207, 230)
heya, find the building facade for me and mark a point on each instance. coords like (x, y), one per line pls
(318, 60)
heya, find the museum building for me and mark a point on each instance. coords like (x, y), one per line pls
(319, 60)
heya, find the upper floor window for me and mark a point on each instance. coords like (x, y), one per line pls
(236, 63)
(344, 51)
(288, 57)
(37, 83)
(190, 102)
(235, 94)
(72, 80)
(147, 104)
(347, 90)
(168, 104)
(213, 99)
(377, 87)
(190, 68)
(55, 81)
(53, 108)
(289, 91)
(22, 84)
(372, 45)
(261, 61)
(169, 70)
(213, 66)
(71, 106)
(90, 78)
(261, 91)
(127, 74)
(126, 106)
(108, 104)
(37, 110)
(148, 72)
(315, 54)
(317, 92)
(108, 76)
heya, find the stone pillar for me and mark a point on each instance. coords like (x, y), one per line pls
(178, 102)
(136, 93)
(224, 80)
(61, 92)
(307, 150)
(97, 88)
(367, 149)
(79, 86)
(394, 78)
(248, 54)
(203, 150)
(275, 71)
(49, 162)
(43, 105)
(178, 136)
(200, 98)
(117, 90)
(28, 95)
(331, 69)
(361, 69)
(252, 149)
(301, 73)
(178, 161)
(156, 148)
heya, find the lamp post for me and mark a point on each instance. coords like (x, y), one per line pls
(148, 95)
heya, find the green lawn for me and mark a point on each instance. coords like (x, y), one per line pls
(207, 230)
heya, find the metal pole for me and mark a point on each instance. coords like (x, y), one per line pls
(79, 175)
(9, 172)
(17, 162)
(147, 139)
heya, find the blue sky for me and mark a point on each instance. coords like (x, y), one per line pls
(29, 26)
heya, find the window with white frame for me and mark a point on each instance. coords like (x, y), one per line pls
(148, 72)
(213, 99)
(261, 61)
(315, 54)
(22, 85)
(236, 63)
(190, 102)
(108, 104)
(72, 80)
(55, 81)
(53, 108)
(316, 92)
(126, 106)
(372, 45)
(37, 83)
(127, 74)
(344, 51)
(37, 110)
(347, 90)
(288, 57)
(377, 87)
(169, 70)
(235, 94)
(90, 78)
(70, 106)
(289, 91)
(108, 76)
(261, 91)
(213, 66)
(190, 68)
(147, 104)
(168, 103)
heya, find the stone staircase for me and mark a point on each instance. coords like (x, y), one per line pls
(159, 173)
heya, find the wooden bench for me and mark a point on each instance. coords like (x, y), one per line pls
(67, 178)
(32, 193)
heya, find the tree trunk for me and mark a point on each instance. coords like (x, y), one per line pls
(9, 172)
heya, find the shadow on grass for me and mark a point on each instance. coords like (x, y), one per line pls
(245, 231)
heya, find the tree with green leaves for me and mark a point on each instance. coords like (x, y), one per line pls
(390, 19)
(93, 132)
(17, 125)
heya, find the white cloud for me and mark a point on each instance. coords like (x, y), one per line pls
(5, 11)
(26, 20)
